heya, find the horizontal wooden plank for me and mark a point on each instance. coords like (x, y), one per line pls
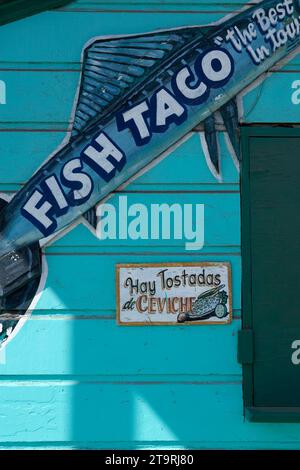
(99, 314)
(154, 7)
(35, 98)
(143, 250)
(184, 166)
(75, 66)
(50, 43)
(62, 412)
(153, 446)
(163, 2)
(262, 103)
(44, 38)
(221, 209)
(101, 347)
(160, 2)
(206, 3)
(87, 282)
(138, 7)
(133, 412)
(22, 153)
(38, 96)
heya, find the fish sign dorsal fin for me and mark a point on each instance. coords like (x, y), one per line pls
(113, 67)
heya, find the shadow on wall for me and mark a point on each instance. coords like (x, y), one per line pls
(144, 386)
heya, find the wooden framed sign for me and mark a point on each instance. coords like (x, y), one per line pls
(174, 294)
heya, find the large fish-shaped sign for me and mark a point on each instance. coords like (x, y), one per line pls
(138, 95)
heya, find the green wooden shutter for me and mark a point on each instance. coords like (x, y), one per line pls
(270, 196)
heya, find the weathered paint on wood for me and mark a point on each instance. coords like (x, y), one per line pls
(72, 377)
(31, 145)
(110, 350)
(95, 275)
(55, 85)
(61, 413)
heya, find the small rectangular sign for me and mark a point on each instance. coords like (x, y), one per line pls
(174, 294)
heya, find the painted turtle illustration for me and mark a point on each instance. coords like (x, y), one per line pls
(210, 302)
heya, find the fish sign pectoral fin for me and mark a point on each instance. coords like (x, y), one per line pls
(90, 217)
(230, 116)
(212, 142)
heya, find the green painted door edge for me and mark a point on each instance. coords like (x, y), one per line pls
(246, 259)
(12, 10)
(251, 412)
(273, 414)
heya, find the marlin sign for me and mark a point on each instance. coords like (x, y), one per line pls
(138, 96)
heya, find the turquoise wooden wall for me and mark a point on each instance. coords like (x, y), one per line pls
(72, 378)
